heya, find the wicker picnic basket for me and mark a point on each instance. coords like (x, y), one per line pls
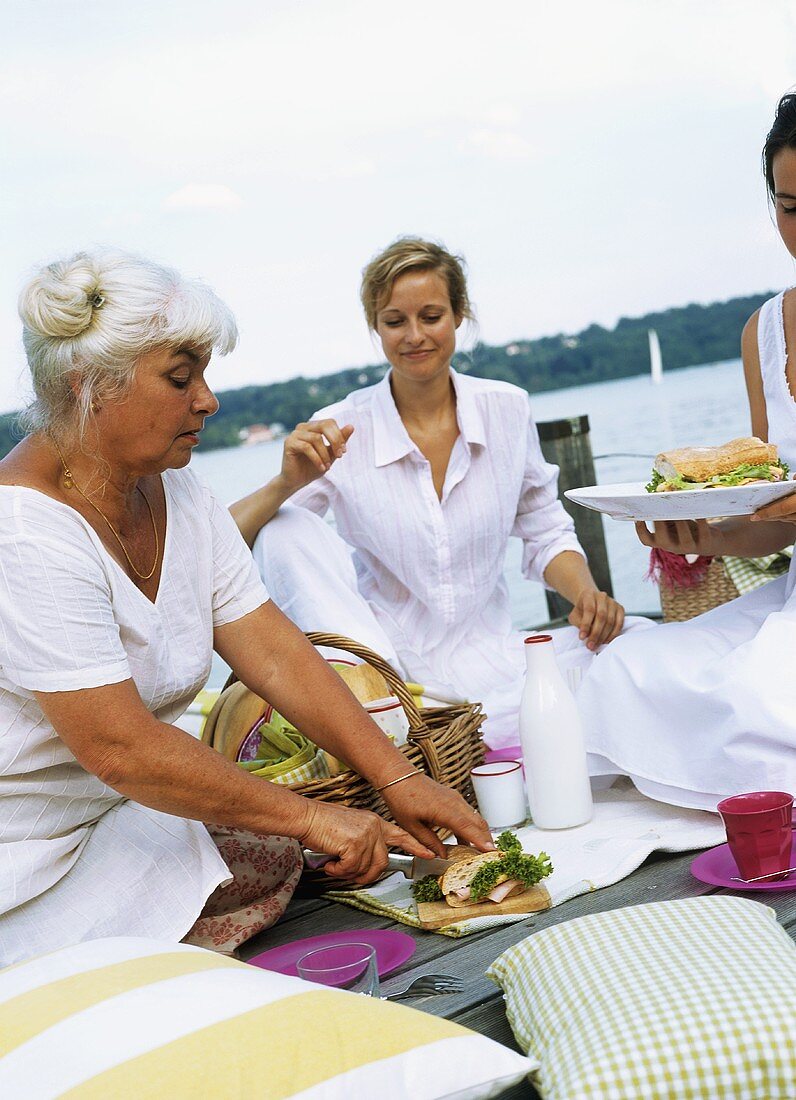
(443, 742)
(680, 603)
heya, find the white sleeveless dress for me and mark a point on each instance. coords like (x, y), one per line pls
(699, 710)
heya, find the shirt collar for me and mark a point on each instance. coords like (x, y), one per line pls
(391, 439)
(468, 412)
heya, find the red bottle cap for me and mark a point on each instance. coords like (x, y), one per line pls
(539, 638)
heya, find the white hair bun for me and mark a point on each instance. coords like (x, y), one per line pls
(60, 300)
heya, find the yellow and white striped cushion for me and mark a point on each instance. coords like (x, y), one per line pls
(134, 1018)
(693, 999)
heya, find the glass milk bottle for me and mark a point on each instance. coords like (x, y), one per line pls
(553, 750)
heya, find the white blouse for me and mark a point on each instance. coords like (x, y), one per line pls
(77, 860)
(431, 569)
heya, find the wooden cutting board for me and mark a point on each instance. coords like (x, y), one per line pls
(436, 914)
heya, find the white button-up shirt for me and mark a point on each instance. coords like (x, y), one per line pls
(430, 568)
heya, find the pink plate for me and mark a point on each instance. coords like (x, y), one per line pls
(392, 949)
(717, 867)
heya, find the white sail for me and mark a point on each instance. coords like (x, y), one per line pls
(656, 363)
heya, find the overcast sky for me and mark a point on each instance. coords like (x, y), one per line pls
(590, 160)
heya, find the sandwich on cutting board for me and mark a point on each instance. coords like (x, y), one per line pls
(480, 884)
(739, 462)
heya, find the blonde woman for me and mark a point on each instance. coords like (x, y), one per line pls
(119, 575)
(428, 474)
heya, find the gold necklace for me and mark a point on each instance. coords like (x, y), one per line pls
(70, 483)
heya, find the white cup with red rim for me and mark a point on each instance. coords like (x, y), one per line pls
(500, 793)
(390, 716)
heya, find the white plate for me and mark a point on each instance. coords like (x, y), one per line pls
(630, 500)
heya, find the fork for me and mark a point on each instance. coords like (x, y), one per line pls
(427, 985)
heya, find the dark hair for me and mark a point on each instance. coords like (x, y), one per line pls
(782, 135)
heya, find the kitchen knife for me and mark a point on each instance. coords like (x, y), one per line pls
(411, 867)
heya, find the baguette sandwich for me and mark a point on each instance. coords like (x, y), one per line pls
(485, 876)
(739, 462)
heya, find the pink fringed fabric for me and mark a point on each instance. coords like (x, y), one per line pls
(674, 570)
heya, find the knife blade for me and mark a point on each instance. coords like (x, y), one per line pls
(411, 867)
(414, 867)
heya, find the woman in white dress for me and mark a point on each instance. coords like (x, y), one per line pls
(439, 470)
(700, 710)
(119, 575)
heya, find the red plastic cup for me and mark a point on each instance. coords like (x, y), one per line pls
(759, 831)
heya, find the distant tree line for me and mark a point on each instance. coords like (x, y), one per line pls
(689, 335)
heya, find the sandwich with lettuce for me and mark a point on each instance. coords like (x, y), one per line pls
(485, 876)
(739, 462)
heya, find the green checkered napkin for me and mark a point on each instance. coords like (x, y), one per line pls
(677, 1000)
(750, 573)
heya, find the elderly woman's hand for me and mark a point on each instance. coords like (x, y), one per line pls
(421, 805)
(310, 450)
(357, 838)
(598, 617)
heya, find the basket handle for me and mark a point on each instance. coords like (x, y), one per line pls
(419, 733)
(394, 682)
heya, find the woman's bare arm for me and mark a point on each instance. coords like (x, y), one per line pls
(276, 661)
(753, 378)
(598, 617)
(308, 453)
(113, 735)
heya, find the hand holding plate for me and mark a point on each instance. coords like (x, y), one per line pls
(783, 510)
(692, 536)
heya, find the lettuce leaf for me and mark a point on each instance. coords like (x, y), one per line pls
(515, 864)
(427, 889)
(507, 842)
(760, 472)
(654, 481)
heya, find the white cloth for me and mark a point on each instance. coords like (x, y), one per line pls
(77, 860)
(429, 572)
(700, 710)
(625, 829)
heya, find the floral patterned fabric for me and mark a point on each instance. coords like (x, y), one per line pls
(265, 871)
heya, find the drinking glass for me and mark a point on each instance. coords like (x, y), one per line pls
(349, 966)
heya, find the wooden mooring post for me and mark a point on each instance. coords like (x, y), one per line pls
(567, 443)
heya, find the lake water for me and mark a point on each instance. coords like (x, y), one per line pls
(628, 417)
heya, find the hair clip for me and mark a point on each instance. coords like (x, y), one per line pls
(97, 301)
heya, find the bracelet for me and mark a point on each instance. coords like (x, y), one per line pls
(400, 779)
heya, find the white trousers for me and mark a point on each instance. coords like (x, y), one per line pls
(310, 574)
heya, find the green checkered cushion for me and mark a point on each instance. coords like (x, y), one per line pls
(681, 999)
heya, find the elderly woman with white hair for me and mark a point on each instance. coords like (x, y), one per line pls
(119, 575)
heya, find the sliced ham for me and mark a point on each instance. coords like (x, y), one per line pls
(504, 888)
(464, 893)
